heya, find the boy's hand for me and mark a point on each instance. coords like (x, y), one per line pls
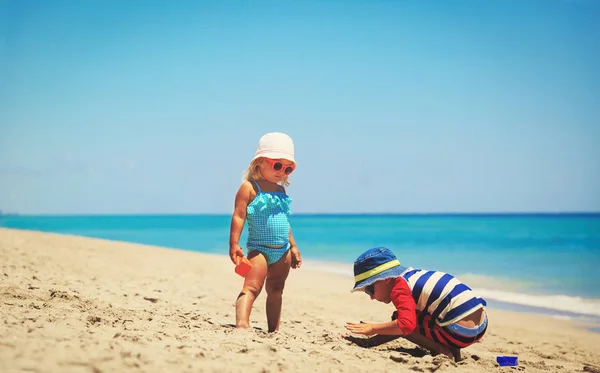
(236, 253)
(360, 328)
(296, 257)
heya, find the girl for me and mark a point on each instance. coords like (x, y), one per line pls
(263, 202)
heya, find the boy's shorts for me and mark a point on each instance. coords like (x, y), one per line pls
(452, 335)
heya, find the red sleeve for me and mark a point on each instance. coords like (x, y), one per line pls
(405, 305)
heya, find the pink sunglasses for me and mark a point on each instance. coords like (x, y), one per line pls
(278, 166)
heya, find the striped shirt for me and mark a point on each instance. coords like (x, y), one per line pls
(441, 295)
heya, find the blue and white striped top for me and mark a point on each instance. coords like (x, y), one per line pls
(441, 295)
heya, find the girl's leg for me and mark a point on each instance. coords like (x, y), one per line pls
(276, 276)
(253, 284)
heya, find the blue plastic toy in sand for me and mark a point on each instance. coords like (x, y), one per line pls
(507, 361)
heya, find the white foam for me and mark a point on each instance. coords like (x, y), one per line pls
(496, 289)
(562, 317)
(563, 303)
(341, 269)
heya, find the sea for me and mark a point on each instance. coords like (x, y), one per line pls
(536, 263)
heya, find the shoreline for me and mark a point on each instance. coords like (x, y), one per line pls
(79, 304)
(590, 321)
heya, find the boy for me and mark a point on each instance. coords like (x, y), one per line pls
(433, 309)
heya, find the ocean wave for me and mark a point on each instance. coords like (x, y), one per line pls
(498, 289)
(342, 269)
(564, 303)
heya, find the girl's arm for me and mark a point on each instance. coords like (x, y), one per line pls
(296, 257)
(238, 219)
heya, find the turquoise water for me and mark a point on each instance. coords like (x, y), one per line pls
(547, 262)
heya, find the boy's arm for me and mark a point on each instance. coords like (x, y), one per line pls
(404, 320)
(406, 308)
(373, 341)
(384, 328)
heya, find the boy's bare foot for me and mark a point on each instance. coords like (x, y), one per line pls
(450, 352)
(456, 353)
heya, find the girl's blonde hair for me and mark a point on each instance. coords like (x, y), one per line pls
(253, 172)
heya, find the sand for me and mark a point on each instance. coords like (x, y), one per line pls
(74, 304)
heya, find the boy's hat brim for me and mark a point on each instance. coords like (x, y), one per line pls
(375, 265)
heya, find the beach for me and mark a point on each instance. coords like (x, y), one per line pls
(74, 304)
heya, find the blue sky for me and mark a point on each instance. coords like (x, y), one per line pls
(394, 106)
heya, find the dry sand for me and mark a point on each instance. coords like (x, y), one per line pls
(73, 304)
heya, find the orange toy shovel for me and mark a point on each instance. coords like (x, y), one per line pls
(243, 267)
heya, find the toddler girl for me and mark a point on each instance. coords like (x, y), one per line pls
(262, 201)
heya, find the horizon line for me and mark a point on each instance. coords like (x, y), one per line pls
(489, 213)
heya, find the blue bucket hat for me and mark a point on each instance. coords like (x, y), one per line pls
(374, 265)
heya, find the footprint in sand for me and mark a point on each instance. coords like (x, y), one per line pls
(545, 356)
(591, 369)
(535, 364)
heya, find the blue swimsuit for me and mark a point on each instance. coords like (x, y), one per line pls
(267, 217)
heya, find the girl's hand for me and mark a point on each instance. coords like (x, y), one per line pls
(296, 257)
(360, 328)
(236, 253)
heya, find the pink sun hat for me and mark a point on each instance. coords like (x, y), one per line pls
(275, 145)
